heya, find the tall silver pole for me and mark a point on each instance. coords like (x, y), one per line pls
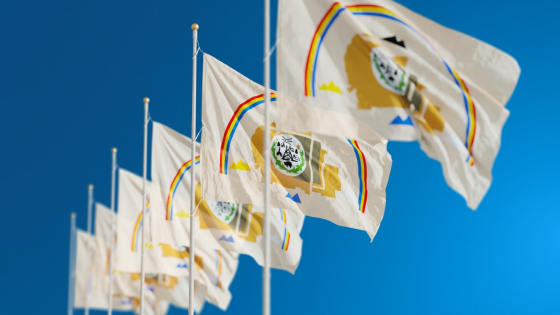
(89, 222)
(193, 164)
(144, 221)
(112, 236)
(72, 264)
(266, 156)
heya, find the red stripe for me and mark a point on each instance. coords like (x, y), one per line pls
(474, 119)
(365, 176)
(365, 5)
(229, 124)
(312, 41)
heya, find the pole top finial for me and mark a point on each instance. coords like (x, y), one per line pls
(194, 27)
(73, 214)
(114, 150)
(146, 100)
(90, 186)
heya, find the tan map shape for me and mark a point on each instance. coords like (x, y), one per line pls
(371, 93)
(248, 232)
(322, 177)
(168, 282)
(169, 251)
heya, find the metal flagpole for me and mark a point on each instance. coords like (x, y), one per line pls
(144, 171)
(194, 28)
(112, 236)
(72, 264)
(89, 222)
(266, 157)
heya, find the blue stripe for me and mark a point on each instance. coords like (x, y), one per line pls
(235, 128)
(138, 232)
(319, 46)
(408, 26)
(358, 157)
(178, 182)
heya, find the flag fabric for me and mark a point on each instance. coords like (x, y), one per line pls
(169, 261)
(170, 212)
(87, 277)
(122, 282)
(153, 306)
(163, 256)
(329, 177)
(224, 226)
(175, 290)
(129, 232)
(102, 226)
(406, 76)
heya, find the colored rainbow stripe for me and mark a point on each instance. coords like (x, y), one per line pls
(136, 232)
(109, 256)
(234, 122)
(218, 267)
(286, 242)
(362, 169)
(174, 184)
(378, 11)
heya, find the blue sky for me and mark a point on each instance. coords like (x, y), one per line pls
(72, 78)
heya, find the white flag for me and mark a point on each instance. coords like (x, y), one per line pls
(224, 226)
(375, 60)
(329, 177)
(163, 258)
(87, 276)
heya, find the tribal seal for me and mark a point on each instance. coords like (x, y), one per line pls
(387, 72)
(288, 155)
(225, 211)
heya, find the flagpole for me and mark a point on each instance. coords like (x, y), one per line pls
(266, 157)
(194, 28)
(72, 264)
(112, 236)
(89, 222)
(144, 221)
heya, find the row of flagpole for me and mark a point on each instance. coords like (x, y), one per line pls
(266, 268)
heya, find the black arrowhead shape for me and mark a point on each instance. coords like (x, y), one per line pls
(395, 41)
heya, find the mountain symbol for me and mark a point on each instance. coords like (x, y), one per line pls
(330, 87)
(399, 121)
(182, 265)
(395, 41)
(239, 165)
(295, 198)
(182, 214)
(229, 239)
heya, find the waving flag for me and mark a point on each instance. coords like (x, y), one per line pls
(406, 76)
(224, 226)
(328, 177)
(153, 306)
(90, 278)
(161, 258)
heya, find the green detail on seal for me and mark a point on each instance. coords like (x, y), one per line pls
(232, 212)
(401, 83)
(296, 170)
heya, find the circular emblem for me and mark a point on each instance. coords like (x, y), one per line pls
(224, 211)
(387, 72)
(288, 155)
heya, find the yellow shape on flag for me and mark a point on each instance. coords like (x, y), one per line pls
(149, 245)
(183, 214)
(239, 165)
(331, 87)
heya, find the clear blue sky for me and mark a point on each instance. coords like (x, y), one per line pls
(72, 78)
